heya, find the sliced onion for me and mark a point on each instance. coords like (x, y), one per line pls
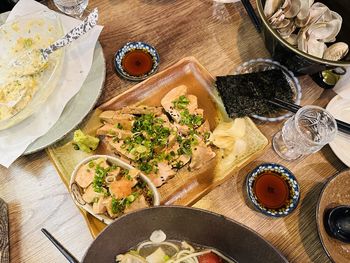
(157, 236)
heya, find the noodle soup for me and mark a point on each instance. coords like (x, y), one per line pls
(160, 250)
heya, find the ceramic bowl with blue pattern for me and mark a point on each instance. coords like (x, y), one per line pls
(131, 46)
(290, 180)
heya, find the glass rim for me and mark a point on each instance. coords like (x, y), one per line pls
(296, 116)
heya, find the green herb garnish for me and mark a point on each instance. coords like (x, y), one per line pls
(181, 102)
(91, 164)
(191, 120)
(118, 205)
(149, 135)
(100, 175)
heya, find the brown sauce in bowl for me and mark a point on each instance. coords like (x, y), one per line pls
(271, 190)
(137, 62)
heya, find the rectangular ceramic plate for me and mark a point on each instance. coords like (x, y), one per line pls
(185, 187)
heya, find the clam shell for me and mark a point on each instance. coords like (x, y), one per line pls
(276, 19)
(316, 12)
(323, 31)
(316, 48)
(284, 23)
(338, 18)
(271, 7)
(277, 14)
(302, 22)
(304, 10)
(336, 51)
(288, 30)
(292, 39)
(292, 8)
(302, 40)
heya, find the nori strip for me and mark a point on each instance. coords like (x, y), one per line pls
(245, 94)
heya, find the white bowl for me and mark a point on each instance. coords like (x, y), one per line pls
(76, 194)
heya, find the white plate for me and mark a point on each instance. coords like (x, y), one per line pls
(79, 106)
(340, 109)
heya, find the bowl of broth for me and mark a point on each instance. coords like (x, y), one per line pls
(162, 233)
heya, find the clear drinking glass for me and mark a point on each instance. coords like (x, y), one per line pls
(72, 7)
(306, 132)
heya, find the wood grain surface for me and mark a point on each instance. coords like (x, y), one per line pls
(4, 233)
(221, 37)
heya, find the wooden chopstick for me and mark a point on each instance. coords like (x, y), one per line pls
(250, 10)
(342, 126)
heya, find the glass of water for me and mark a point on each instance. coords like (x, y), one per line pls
(305, 133)
(72, 7)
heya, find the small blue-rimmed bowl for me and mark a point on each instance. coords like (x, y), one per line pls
(130, 46)
(294, 190)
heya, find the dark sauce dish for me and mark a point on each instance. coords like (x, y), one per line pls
(337, 223)
(136, 61)
(273, 189)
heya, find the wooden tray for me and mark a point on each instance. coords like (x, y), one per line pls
(186, 187)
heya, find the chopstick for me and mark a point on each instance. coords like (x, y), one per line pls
(60, 247)
(250, 10)
(342, 126)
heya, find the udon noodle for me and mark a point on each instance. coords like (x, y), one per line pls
(159, 250)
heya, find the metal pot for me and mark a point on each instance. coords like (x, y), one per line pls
(300, 62)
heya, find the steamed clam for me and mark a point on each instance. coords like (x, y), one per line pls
(336, 51)
(308, 26)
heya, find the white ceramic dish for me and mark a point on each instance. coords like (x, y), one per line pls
(75, 190)
(42, 28)
(79, 106)
(340, 109)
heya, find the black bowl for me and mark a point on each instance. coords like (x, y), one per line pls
(300, 62)
(182, 223)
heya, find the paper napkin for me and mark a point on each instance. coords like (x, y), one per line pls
(343, 85)
(77, 64)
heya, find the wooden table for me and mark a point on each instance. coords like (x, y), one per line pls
(221, 37)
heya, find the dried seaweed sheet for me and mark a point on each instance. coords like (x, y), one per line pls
(246, 94)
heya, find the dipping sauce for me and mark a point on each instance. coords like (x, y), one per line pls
(271, 190)
(137, 62)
